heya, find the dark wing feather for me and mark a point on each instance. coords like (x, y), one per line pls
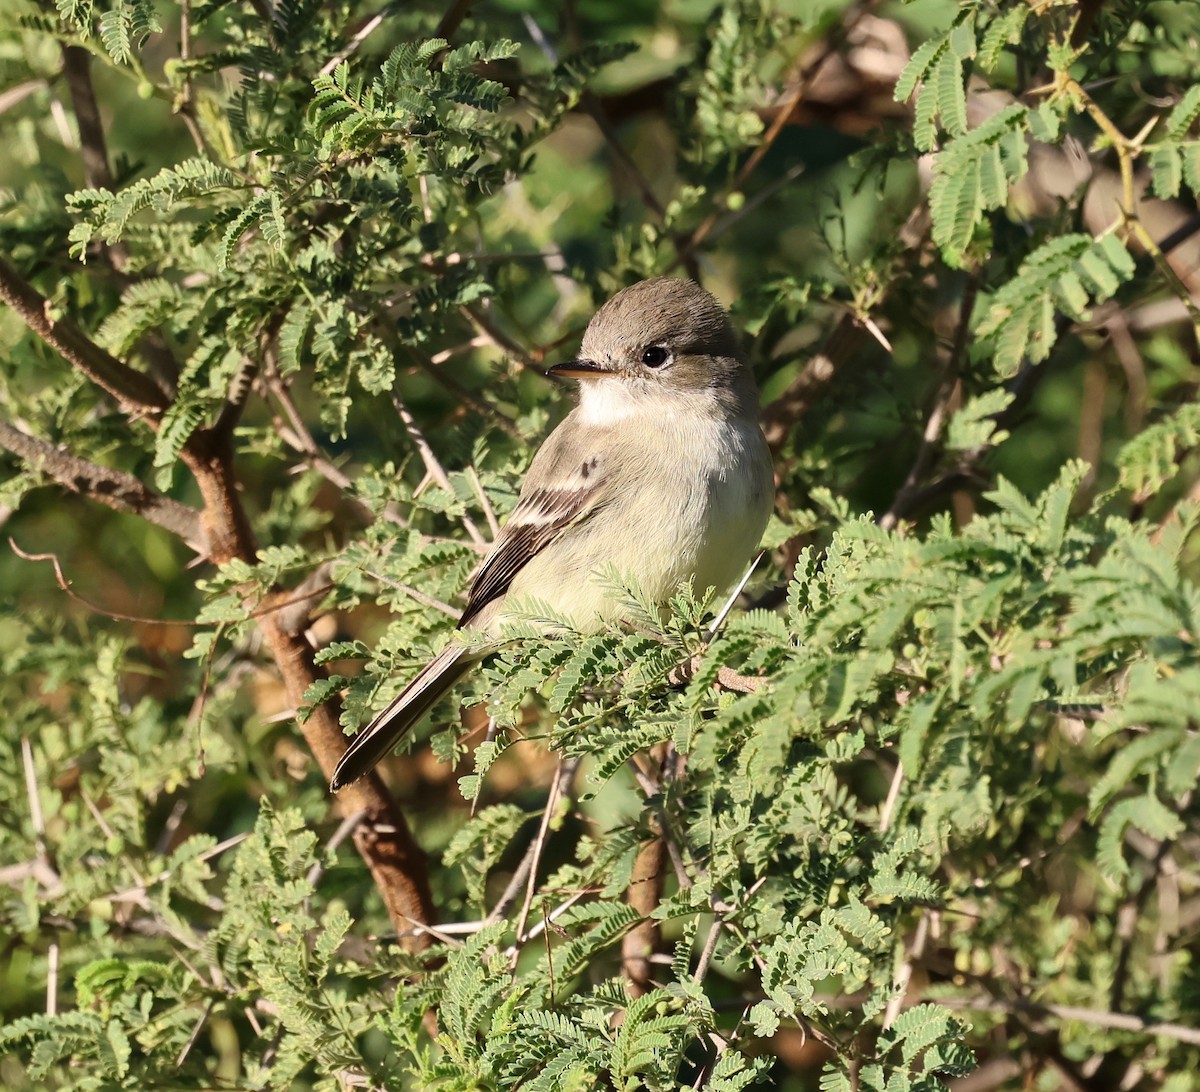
(538, 520)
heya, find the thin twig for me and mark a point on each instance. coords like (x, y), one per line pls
(468, 398)
(710, 947)
(365, 30)
(31, 792)
(344, 830)
(904, 975)
(889, 805)
(432, 466)
(591, 105)
(414, 593)
(509, 895)
(493, 335)
(783, 115)
(556, 913)
(811, 383)
(1095, 1017)
(485, 504)
(732, 598)
(186, 1049)
(562, 778)
(939, 413)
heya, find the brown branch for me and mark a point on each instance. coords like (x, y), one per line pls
(114, 488)
(940, 412)
(93, 147)
(810, 384)
(383, 838)
(97, 173)
(644, 895)
(452, 19)
(134, 392)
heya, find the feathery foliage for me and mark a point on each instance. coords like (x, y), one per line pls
(923, 800)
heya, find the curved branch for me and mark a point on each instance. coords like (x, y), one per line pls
(383, 838)
(135, 392)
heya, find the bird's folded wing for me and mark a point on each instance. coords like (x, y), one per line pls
(541, 515)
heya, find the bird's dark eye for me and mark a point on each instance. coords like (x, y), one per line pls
(655, 356)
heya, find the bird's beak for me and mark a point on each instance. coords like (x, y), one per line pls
(578, 369)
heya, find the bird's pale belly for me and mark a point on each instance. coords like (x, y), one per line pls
(704, 527)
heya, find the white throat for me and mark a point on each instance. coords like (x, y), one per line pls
(605, 402)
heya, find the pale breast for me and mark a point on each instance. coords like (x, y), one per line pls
(691, 496)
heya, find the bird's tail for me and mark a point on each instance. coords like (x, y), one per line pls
(382, 734)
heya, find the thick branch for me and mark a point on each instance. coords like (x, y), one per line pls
(383, 838)
(92, 145)
(135, 392)
(114, 488)
(644, 895)
(396, 862)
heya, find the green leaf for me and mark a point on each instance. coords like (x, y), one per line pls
(1020, 320)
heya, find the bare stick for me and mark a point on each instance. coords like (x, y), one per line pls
(1096, 1017)
(710, 947)
(593, 107)
(114, 488)
(52, 980)
(191, 1039)
(889, 805)
(496, 337)
(365, 30)
(562, 779)
(344, 830)
(413, 593)
(31, 791)
(488, 511)
(904, 975)
(434, 468)
(782, 116)
(723, 613)
(939, 413)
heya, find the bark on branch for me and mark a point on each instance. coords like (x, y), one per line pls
(396, 862)
(114, 488)
(135, 392)
(92, 144)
